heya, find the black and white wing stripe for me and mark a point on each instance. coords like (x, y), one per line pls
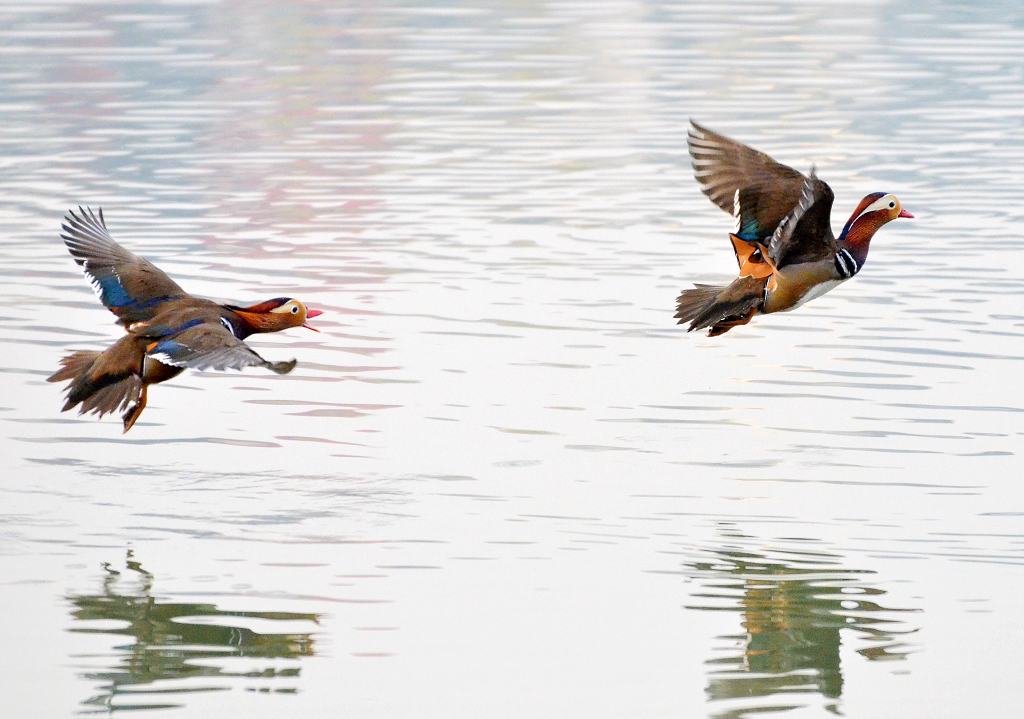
(846, 264)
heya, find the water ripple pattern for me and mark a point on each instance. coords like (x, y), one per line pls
(501, 482)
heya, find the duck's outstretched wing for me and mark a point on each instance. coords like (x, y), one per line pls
(128, 285)
(210, 345)
(751, 186)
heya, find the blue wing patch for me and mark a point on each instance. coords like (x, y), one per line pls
(113, 294)
(110, 290)
(170, 347)
(747, 227)
(749, 230)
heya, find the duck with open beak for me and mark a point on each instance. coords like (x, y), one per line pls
(167, 329)
(310, 314)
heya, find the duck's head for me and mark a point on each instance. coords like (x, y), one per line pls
(874, 210)
(277, 314)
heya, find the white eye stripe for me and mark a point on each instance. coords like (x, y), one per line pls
(882, 203)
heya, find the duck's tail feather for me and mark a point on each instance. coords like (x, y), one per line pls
(113, 397)
(720, 307)
(691, 303)
(97, 390)
(74, 364)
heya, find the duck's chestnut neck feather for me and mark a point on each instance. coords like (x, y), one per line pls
(858, 232)
(248, 322)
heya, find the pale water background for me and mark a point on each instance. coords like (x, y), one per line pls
(501, 482)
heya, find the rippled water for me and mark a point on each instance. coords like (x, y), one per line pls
(502, 482)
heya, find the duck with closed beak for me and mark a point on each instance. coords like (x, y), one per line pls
(783, 241)
(167, 330)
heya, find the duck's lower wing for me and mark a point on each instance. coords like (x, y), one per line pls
(210, 346)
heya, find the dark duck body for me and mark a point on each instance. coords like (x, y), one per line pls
(167, 330)
(783, 241)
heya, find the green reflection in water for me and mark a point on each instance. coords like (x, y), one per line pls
(795, 607)
(168, 643)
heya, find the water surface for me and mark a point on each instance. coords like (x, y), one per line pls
(501, 482)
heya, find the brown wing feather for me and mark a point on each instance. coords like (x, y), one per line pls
(724, 167)
(759, 191)
(805, 234)
(128, 285)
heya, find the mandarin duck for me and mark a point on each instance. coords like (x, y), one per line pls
(167, 329)
(783, 241)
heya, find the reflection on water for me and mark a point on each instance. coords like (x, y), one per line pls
(796, 605)
(173, 644)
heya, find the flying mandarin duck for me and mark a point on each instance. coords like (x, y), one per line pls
(167, 329)
(783, 240)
